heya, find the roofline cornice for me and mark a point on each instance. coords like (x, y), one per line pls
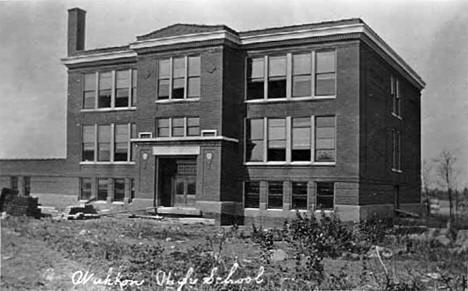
(253, 39)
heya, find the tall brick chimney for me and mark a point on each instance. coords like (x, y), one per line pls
(76, 30)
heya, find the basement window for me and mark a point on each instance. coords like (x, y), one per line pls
(102, 189)
(85, 188)
(325, 196)
(119, 190)
(299, 195)
(275, 195)
(252, 194)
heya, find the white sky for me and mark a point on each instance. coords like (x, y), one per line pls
(430, 35)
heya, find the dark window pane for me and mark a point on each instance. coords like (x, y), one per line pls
(85, 193)
(191, 187)
(134, 86)
(102, 189)
(275, 195)
(276, 139)
(255, 89)
(325, 195)
(277, 88)
(178, 88)
(121, 97)
(325, 155)
(119, 189)
(299, 195)
(252, 194)
(104, 98)
(179, 187)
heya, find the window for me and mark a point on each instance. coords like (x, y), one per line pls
(255, 78)
(104, 142)
(325, 196)
(193, 126)
(179, 78)
(122, 85)
(163, 127)
(105, 90)
(121, 142)
(299, 195)
(102, 189)
(134, 87)
(396, 150)
(276, 139)
(302, 78)
(88, 143)
(115, 89)
(133, 134)
(85, 188)
(254, 151)
(14, 182)
(395, 93)
(252, 194)
(132, 190)
(89, 90)
(164, 79)
(178, 127)
(325, 139)
(325, 73)
(292, 75)
(119, 189)
(301, 134)
(277, 77)
(27, 185)
(275, 195)
(194, 77)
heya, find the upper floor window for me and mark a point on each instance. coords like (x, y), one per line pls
(293, 75)
(178, 127)
(88, 138)
(396, 150)
(89, 91)
(277, 77)
(396, 95)
(179, 78)
(325, 73)
(110, 89)
(107, 143)
(291, 139)
(325, 138)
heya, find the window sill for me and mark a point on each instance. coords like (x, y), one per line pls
(289, 163)
(108, 109)
(397, 171)
(118, 202)
(107, 163)
(307, 98)
(178, 100)
(101, 201)
(397, 116)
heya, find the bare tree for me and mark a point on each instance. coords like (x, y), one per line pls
(447, 175)
(426, 183)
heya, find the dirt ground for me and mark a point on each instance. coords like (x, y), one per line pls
(45, 255)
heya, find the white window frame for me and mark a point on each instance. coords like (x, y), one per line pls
(171, 77)
(288, 143)
(170, 128)
(289, 75)
(113, 89)
(112, 146)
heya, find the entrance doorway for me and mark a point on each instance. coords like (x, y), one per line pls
(177, 181)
